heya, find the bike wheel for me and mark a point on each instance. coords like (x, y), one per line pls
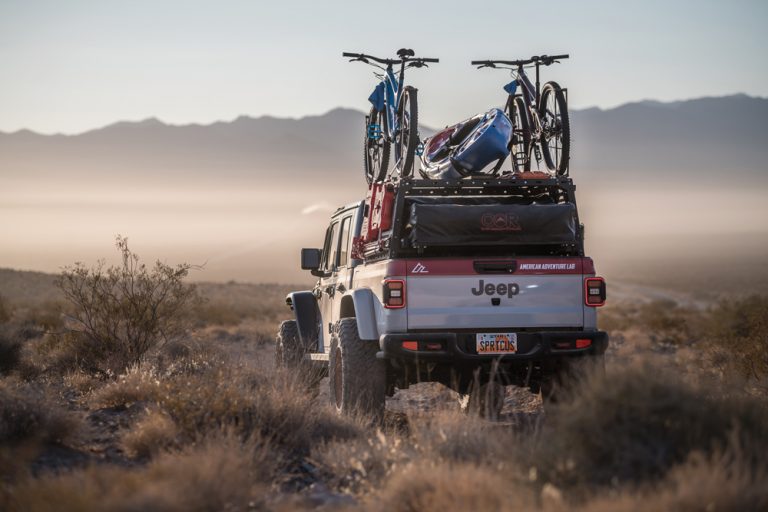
(376, 147)
(407, 137)
(520, 145)
(556, 128)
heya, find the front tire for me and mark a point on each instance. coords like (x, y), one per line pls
(376, 147)
(407, 137)
(357, 378)
(556, 128)
(289, 352)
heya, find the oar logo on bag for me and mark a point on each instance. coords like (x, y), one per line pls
(500, 222)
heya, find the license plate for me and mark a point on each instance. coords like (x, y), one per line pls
(497, 343)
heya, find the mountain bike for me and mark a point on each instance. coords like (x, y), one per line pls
(540, 123)
(394, 115)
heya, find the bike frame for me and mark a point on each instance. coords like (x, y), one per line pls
(386, 98)
(531, 96)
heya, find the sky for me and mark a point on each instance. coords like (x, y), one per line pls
(70, 66)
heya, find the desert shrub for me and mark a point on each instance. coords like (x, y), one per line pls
(358, 466)
(726, 480)
(737, 336)
(427, 487)
(637, 422)
(10, 349)
(222, 473)
(153, 433)
(27, 414)
(664, 320)
(458, 437)
(81, 382)
(218, 313)
(446, 438)
(278, 407)
(121, 312)
(139, 384)
(5, 311)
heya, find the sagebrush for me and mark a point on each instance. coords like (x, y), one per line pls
(121, 312)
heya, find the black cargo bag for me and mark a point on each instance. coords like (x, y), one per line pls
(491, 224)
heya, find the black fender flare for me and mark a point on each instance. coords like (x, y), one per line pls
(307, 313)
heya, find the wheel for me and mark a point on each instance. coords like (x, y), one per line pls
(407, 136)
(376, 147)
(556, 128)
(357, 378)
(288, 349)
(520, 145)
(486, 400)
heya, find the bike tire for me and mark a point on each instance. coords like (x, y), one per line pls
(407, 137)
(520, 145)
(556, 136)
(375, 151)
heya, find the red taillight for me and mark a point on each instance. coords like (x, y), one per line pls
(411, 345)
(394, 293)
(583, 343)
(594, 291)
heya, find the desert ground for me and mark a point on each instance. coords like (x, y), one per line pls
(202, 420)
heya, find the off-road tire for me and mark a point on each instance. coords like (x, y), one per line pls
(288, 349)
(357, 378)
(408, 139)
(486, 400)
(520, 144)
(556, 159)
(376, 152)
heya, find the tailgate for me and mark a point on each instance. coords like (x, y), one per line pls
(499, 293)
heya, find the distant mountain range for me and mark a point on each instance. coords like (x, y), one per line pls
(706, 139)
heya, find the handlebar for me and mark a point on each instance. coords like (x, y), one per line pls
(365, 58)
(537, 59)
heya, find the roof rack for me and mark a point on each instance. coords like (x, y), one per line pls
(470, 186)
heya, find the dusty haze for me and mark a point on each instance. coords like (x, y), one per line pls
(677, 184)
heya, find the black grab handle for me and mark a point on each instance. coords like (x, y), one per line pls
(495, 267)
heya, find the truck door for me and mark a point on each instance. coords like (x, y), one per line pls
(326, 285)
(344, 267)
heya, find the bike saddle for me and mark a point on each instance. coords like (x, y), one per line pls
(405, 52)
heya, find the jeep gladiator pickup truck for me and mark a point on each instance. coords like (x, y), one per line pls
(476, 284)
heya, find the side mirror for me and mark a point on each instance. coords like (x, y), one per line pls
(310, 259)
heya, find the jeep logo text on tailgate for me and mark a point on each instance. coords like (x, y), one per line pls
(509, 290)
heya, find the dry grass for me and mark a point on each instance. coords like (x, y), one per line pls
(736, 334)
(723, 481)
(138, 384)
(637, 422)
(430, 487)
(278, 407)
(27, 413)
(5, 310)
(222, 431)
(223, 473)
(153, 433)
(10, 349)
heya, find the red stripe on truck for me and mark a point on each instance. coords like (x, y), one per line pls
(523, 266)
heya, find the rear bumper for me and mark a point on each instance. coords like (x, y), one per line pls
(460, 347)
